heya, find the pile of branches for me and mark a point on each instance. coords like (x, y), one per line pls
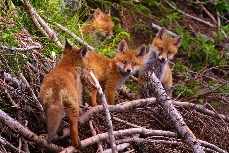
(143, 125)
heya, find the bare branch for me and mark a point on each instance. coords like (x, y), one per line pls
(93, 132)
(107, 113)
(4, 142)
(200, 20)
(38, 46)
(122, 107)
(69, 32)
(24, 131)
(174, 115)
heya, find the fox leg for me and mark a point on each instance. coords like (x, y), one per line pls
(72, 110)
(110, 95)
(92, 97)
(54, 115)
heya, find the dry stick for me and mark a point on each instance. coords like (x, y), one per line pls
(212, 146)
(207, 12)
(159, 28)
(205, 22)
(103, 136)
(202, 109)
(2, 86)
(69, 32)
(122, 107)
(120, 147)
(24, 131)
(144, 131)
(187, 105)
(4, 142)
(204, 143)
(38, 104)
(129, 93)
(174, 115)
(36, 17)
(30, 11)
(22, 49)
(93, 132)
(107, 114)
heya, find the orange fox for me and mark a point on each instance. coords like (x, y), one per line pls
(160, 53)
(112, 73)
(61, 92)
(101, 24)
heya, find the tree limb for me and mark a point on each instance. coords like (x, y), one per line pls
(24, 131)
(174, 115)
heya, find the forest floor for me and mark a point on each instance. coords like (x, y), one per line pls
(205, 127)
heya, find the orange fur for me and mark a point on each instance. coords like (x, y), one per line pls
(112, 73)
(101, 24)
(161, 52)
(61, 91)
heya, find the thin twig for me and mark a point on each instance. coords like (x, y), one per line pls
(200, 20)
(207, 12)
(69, 32)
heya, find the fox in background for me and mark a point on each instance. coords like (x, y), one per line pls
(160, 53)
(112, 73)
(101, 25)
(61, 91)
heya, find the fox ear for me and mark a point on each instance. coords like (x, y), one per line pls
(67, 47)
(122, 47)
(162, 34)
(141, 51)
(84, 51)
(98, 14)
(177, 40)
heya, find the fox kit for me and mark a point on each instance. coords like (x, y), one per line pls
(61, 90)
(160, 53)
(112, 73)
(101, 24)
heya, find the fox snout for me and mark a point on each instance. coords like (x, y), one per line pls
(162, 59)
(128, 70)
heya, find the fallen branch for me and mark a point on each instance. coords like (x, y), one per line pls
(206, 11)
(200, 20)
(4, 142)
(2, 86)
(93, 133)
(24, 131)
(36, 18)
(32, 15)
(38, 46)
(202, 109)
(122, 107)
(107, 113)
(174, 115)
(143, 131)
(159, 28)
(69, 32)
(38, 104)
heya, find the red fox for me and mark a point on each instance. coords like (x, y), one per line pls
(160, 53)
(61, 91)
(112, 73)
(101, 24)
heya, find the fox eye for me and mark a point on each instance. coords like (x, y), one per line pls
(160, 48)
(133, 63)
(105, 29)
(124, 61)
(169, 52)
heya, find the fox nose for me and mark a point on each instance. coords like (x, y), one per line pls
(163, 59)
(128, 70)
